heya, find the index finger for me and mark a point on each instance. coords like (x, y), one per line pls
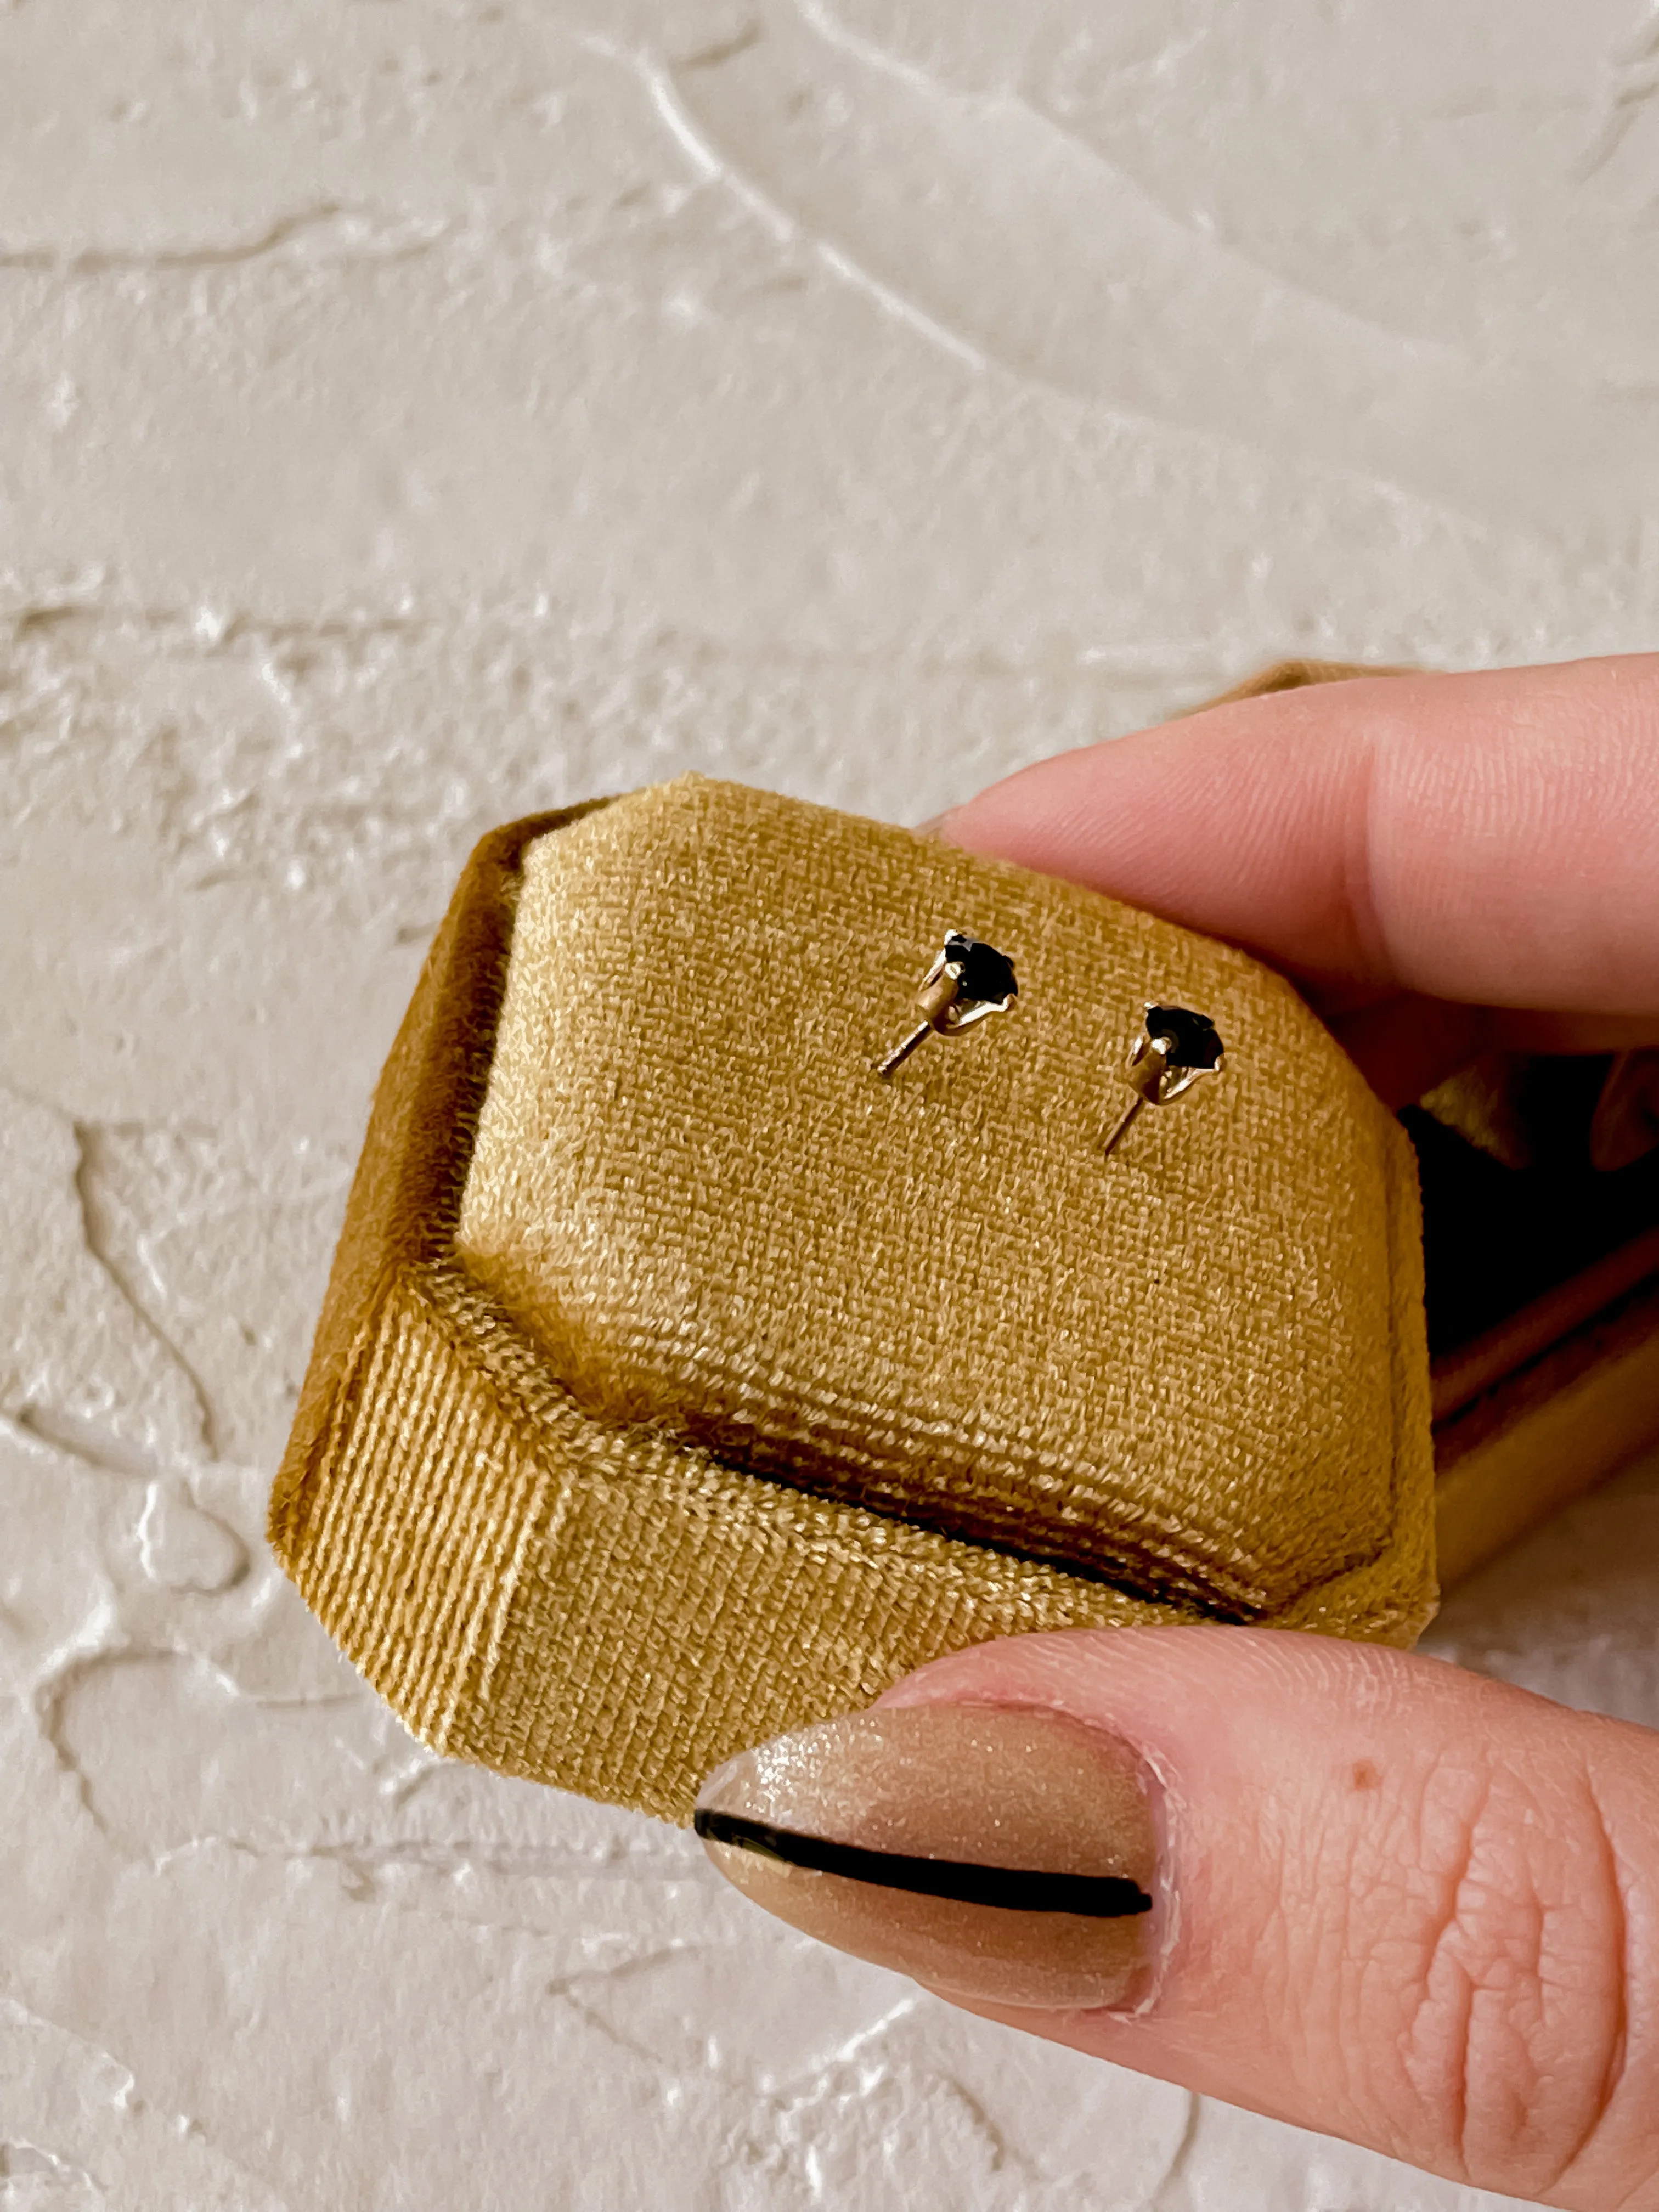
(1491, 839)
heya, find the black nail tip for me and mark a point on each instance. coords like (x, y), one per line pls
(1009, 1889)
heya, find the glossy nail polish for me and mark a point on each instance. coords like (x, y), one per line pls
(1006, 1855)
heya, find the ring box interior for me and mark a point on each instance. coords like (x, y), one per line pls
(1542, 1296)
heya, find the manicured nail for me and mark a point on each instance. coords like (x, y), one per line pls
(1003, 1854)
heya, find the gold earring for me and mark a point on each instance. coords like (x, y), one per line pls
(967, 981)
(1174, 1048)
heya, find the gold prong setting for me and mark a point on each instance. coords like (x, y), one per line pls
(967, 981)
(1176, 1048)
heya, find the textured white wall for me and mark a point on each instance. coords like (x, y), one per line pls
(413, 412)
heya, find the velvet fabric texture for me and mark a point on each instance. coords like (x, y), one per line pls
(679, 1382)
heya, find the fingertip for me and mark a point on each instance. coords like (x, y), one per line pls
(1401, 1898)
(1490, 839)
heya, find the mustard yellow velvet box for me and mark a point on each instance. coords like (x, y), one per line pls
(681, 1382)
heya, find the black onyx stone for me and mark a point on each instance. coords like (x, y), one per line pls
(1197, 1044)
(986, 973)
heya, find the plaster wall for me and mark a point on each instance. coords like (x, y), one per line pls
(414, 412)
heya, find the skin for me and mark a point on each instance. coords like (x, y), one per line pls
(1416, 1908)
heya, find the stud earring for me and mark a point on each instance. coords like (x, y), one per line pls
(1175, 1047)
(967, 981)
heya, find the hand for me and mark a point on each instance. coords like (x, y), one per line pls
(1391, 1900)
(1448, 865)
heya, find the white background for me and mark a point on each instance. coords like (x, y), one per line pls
(414, 412)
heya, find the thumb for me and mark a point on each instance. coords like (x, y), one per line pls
(1360, 1891)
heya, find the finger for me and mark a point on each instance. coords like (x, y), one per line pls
(1490, 839)
(1362, 1892)
(1407, 1043)
(1404, 1044)
(1396, 1902)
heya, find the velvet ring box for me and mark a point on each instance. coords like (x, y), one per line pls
(680, 1382)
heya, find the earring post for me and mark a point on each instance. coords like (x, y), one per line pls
(1122, 1129)
(900, 1053)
